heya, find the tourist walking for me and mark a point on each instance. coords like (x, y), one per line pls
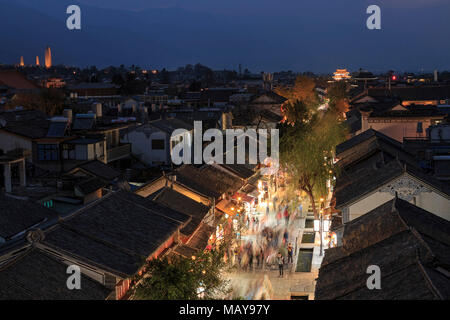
(290, 252)
(280, 260)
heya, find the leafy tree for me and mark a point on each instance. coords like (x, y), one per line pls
(303, 90)
(337, 94)
(180, 278)
(307, 149)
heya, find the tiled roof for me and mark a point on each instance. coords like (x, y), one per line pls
(100, 170)
(409, 244)
(36, 275)
(363, 136)
(31, 129)
(18, 215)
(90, 185)
(178, 202)
(169, 125)
(15, 80)
(116, 232)
(413, 93)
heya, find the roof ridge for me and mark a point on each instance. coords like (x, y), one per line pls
(429, 282)
(154, 211)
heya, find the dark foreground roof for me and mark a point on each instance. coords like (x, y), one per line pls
(36, 275)
(117, 232)
(354, 185)
(178, 202)
(410, 245)
(18, 215)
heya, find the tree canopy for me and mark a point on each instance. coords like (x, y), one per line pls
(180, 278)
(308, 140)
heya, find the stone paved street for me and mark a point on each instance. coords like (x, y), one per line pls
(265, 283)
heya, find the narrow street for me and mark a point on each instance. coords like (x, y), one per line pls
(255, 278)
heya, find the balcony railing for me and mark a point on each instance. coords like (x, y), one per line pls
(118, 153)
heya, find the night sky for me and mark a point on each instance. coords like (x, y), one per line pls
(262, 35)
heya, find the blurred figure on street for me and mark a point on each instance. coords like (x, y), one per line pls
(280, 260)
(290, 250)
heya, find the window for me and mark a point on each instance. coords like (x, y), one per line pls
(158, 144)
(47, 152)
(419, 127)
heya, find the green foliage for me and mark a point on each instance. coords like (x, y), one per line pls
(303, 90)
(307, 149)
(179, 278)
(337, 95)
(309, 136)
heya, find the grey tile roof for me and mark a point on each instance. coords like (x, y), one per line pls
(31, 129)
(413, 93)
(36, 275)
(352, 186)
(19, 215)
(239, 169)
(208, 180)
(101, 170)
(90, 185)
(169, 125)
(178, 202)
(117, 231)
(363, 136)
(409, 244)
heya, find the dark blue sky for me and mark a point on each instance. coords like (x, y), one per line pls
(268, 35)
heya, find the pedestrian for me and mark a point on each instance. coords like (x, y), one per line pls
(278, 217)
(258, 256)
(290, 251)
(286, 215)
(280, 260)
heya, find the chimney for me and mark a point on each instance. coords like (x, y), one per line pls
(436, 78)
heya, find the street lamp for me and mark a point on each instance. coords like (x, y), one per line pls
(321, 225)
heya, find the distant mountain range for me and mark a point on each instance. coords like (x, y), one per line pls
(317, 38)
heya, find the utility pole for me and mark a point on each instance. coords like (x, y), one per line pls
(321, 224)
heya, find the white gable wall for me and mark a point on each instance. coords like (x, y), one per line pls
(427, 199)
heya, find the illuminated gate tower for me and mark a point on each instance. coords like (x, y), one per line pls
(341, 74)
